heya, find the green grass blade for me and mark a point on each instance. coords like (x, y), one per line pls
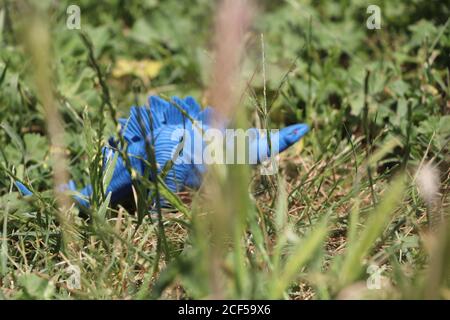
(101, 213)
(14, 137)
(301, 255)
(377, 222)
(111, 164)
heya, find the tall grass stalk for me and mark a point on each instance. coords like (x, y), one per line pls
(37, 40)
(228, 196)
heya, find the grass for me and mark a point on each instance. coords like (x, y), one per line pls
(352, 195)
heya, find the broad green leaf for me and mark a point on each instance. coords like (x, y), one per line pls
(35, 287)
(36, 146)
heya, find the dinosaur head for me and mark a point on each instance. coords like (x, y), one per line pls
(292, 134)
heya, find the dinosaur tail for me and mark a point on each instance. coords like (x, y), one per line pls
(70, 186)
(23, 190)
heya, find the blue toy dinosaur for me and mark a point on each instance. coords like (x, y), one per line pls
(167, 126)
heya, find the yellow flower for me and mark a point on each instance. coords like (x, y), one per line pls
(144, 69)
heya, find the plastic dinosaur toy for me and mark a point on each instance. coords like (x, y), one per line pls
(168, 126)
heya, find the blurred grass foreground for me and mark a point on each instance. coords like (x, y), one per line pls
(357, 210)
